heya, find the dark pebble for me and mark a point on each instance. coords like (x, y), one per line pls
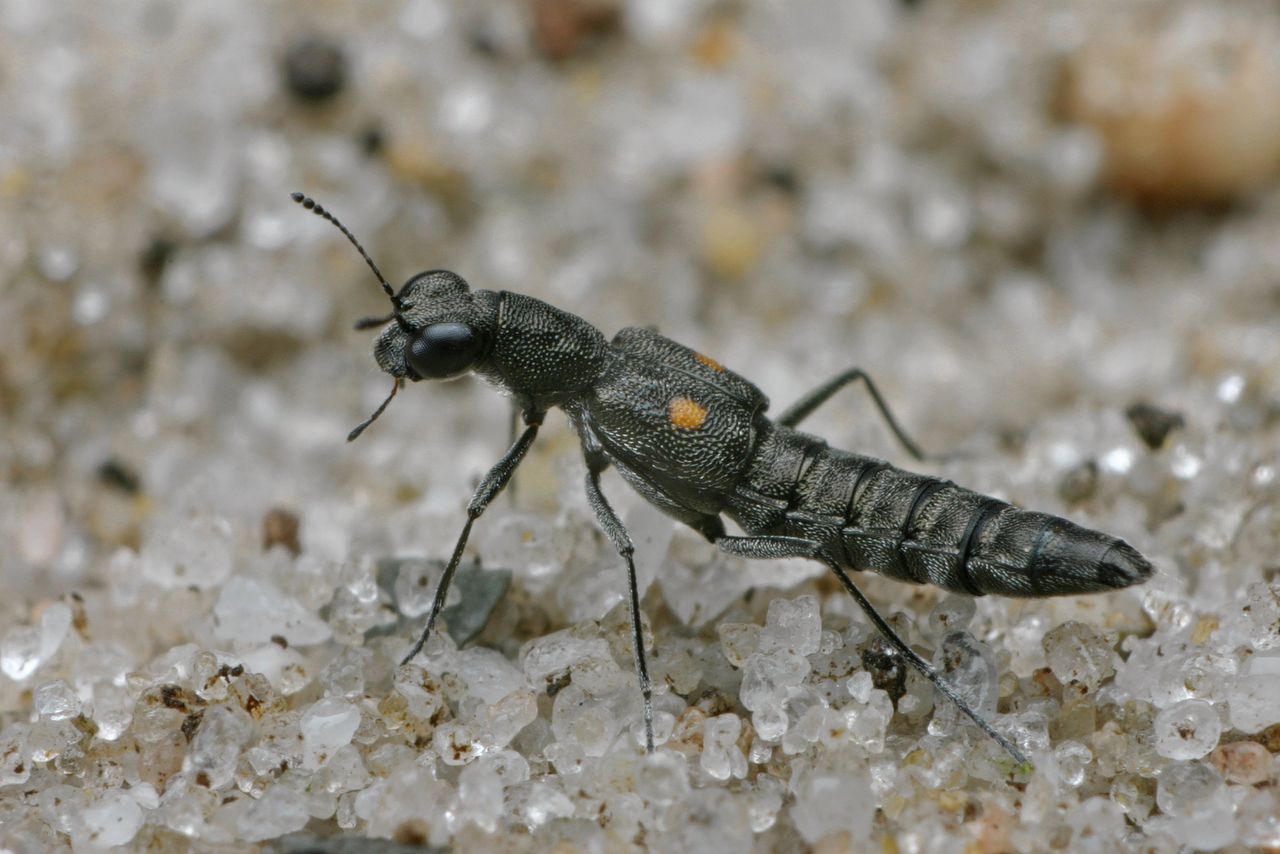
(1153, 424)
(280, 527)
(116, 474)
(1079, 483)
(315, 69)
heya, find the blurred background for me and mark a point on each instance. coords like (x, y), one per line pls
(1048, 230)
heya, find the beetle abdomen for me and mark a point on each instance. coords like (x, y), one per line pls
(926, 530)
(868, 514)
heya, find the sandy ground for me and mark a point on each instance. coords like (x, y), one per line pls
(1021, 223)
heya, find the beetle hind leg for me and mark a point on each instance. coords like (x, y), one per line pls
(925, 669)
(805, 406)
(766, 547)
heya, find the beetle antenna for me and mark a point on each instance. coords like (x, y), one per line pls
(371, 322)
(355, 434)
(318, 209)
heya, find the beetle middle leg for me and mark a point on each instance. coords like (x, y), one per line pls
(805, 406)
(617, 532)
(488, 489)
(785, 547)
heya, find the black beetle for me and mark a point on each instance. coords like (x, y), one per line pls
(693, 438)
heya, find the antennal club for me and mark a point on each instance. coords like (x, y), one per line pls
(318, 209)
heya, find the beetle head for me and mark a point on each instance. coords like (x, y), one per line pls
(439, 332)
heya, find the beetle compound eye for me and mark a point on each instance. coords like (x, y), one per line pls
(443, 350)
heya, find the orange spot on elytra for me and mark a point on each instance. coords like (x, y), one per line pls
(686, 414)
(709, 362)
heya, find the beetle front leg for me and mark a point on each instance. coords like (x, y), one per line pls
(617, 532)
(488, 489)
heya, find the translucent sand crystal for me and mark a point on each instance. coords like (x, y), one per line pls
(56, 701)
(327, 726)
(1188, 730)
(20, 652)
(215, 750)
(828, 803)
(1077, 653)
(112, 820)
(1254, 696)
(721, 757)
(1193, 795)
(251, 610)
(793, 626)
(280, 810)
(24, 648)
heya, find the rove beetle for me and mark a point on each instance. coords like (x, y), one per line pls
(693, 439)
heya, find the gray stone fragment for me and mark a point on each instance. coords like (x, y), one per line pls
(480, 590)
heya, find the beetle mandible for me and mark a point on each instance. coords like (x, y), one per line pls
(692, 438)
